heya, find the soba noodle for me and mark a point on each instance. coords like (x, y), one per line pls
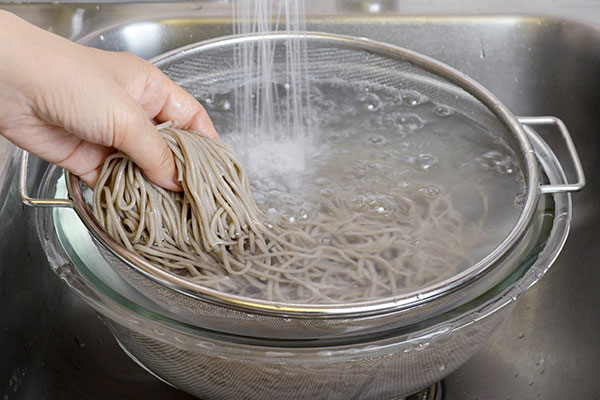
(213, 232)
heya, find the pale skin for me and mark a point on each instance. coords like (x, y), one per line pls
(73, 106)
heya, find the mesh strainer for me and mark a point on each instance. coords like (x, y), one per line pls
(206, 69)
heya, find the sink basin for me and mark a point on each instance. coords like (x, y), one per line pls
(54, 346)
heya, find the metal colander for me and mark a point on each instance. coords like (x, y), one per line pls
(207, 69)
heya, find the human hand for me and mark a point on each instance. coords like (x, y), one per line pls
(72, 105)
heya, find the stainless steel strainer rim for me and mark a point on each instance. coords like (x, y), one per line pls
(389, 304)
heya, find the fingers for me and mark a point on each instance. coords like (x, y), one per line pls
(161, 98)
(172, 103)
(86, 161)
(135, 136)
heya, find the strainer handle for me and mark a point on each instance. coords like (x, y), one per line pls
(32, 201)
(562, 128)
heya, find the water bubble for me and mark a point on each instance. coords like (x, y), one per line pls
(326, 240)
(405, 122)
(425, 162)
(413, 98)
(381, 156)
(494, 160)
(431, 191)
(272, 212)
(326, 192)
(292, 220)
(355, 203)
(377, 139)
(442, 367)
(519, 200)
(442, 111)
(369, 102)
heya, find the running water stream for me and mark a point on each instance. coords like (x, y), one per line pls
(272, 101)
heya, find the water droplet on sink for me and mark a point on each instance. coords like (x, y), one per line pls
(521, 335)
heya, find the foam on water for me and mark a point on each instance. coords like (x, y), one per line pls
(370, 146)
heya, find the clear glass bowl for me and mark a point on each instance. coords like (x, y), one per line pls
(217, 365)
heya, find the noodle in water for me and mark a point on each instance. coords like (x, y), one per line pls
(213, 233)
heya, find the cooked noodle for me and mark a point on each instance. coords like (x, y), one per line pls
(214, 234)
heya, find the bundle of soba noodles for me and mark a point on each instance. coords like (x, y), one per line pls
(213, 232)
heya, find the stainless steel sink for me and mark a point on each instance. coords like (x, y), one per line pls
(54, 347)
